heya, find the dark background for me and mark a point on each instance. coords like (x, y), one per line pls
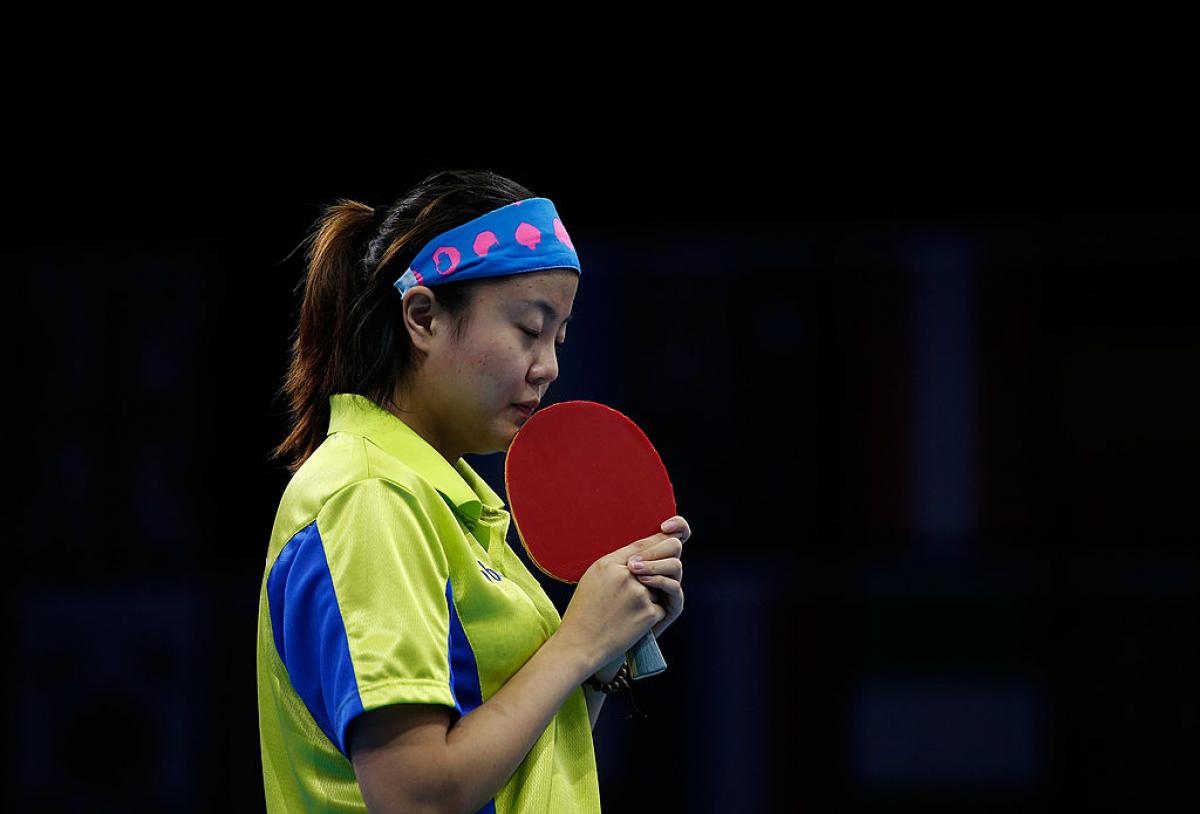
(929, 406)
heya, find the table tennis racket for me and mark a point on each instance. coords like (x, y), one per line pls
(583, 480)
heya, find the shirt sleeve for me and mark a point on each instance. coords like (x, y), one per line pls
(360, 600)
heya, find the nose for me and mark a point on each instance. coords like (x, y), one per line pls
(544, 369)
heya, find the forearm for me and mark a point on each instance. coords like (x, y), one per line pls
(595, 698)
(486, 745)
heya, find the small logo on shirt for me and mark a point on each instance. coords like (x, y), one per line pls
(490, 573)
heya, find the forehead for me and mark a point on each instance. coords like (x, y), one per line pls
(550, 290)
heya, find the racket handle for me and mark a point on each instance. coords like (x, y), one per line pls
(644, 658)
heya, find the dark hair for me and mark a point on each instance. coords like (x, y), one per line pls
(350, 337)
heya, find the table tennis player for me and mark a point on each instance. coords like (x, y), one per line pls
(407, 659)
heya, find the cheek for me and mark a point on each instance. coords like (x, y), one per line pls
(501, 365)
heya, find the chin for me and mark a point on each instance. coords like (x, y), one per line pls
(504, 436)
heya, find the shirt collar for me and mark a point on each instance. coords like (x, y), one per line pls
(466, 491)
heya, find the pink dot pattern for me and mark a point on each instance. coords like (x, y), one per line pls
(484, 241)
(560, 232)
(448, 251)
(528, 235)
(447, 258)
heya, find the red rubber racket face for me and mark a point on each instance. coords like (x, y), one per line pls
(582, 481)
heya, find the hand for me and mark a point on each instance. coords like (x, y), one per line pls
(608, 611)
(662, 569)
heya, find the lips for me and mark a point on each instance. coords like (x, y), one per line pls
(526, 409)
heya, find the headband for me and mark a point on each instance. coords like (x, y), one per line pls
(523, 236)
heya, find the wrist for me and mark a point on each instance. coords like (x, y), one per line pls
(578, 655)
(619, 681)
(608, 671)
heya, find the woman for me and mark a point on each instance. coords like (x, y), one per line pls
(407, 659)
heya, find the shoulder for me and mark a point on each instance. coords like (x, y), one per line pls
(363, 488)
(350, 486)
(374, 501)
(347, 464)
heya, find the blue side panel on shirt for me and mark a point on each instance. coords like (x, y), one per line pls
(464, 673)
(310, 635)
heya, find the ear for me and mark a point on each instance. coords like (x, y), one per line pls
(420, 309)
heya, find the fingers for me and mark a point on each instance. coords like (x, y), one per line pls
(639, 547)
(675, 531)
(671, 589)
(671, 567)
(670, 546)
(678, 526)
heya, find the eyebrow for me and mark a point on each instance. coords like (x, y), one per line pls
(547, 307)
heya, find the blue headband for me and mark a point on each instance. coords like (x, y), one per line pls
(522, 236)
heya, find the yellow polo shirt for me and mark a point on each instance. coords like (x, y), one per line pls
(389, 580)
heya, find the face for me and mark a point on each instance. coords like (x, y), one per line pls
(464, 393)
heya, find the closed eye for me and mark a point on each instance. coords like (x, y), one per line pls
(538, 335)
